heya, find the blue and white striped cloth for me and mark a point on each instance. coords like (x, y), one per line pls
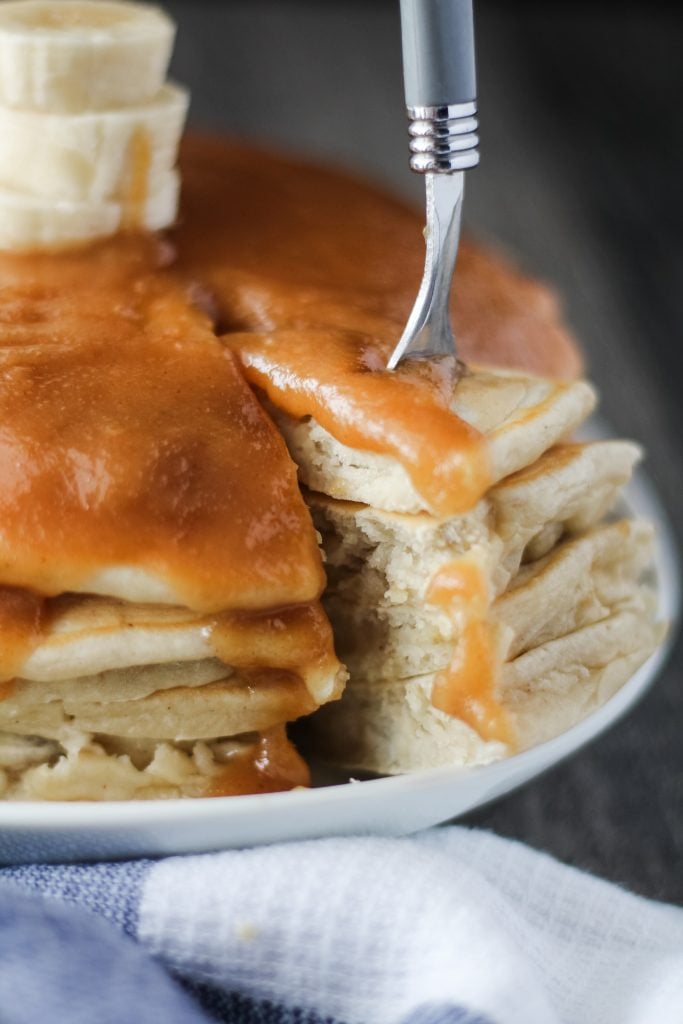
(447, 927)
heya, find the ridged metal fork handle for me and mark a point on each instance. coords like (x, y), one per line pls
(428, 332)
(443, 145)
(443, 139)
(440, 80)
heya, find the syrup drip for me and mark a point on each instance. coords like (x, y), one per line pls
(274, 766)
(466, 689)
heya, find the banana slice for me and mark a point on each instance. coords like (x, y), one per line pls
(29, 223)
(92, 157)
(76, 55)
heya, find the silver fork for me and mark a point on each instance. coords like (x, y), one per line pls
(440, 88)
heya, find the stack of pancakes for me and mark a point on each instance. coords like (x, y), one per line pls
(558, 589)
(159, 604)
(475, 620)
(160, 574)
(123, 699)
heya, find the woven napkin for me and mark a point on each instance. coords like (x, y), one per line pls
(450, 926)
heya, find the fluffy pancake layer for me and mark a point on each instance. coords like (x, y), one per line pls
(543, 615)
(520, 417)
(135, 671)
(571, 630)
(380, 564)
(83, 767)
(244, 702)
(83, 636)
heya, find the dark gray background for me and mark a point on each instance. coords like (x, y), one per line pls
(581, 177)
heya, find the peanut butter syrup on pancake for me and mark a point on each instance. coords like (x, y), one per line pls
(275, 765)
(467, 687)
(340, 380)
(285, 244)
(129, 438)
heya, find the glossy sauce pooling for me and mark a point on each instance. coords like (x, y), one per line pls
(128, 437)
(467, 688)
(271, 766)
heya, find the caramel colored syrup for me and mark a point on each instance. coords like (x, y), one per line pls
(320, 313)
(22, 617)
(285, 245)
(272, 766)
(295, 639)
(129, 437)
(340, 380)
(467, 688)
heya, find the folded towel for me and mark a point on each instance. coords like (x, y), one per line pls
(448, 926)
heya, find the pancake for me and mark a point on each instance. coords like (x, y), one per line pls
(134, 533)
(519, 418)
(243, 702)
(574, 585)
(380, 565)
(123, 684)
(85, 636)
(86, 767)
(281, 244)
(393, 727)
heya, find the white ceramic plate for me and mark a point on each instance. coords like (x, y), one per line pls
(32, 832)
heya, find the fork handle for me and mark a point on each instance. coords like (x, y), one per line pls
(440, 84)
(438, 52)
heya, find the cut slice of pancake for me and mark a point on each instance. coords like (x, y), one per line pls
(84, 636)
(390, 728)
(243, 702)
(520, 418)
(83, 767)
(567, 632)
(576, 584)
(380, 565)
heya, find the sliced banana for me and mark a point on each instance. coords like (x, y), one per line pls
(76, 55)
(93, 156)
(28, 223)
